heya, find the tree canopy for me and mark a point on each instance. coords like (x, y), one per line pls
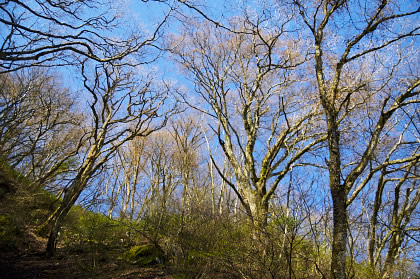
(243, 139)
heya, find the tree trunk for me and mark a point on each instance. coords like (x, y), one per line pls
(339, 198)
(257, 209)
(69, 199)
(395, 241)
(374, 220)
(339, 246)
(394, 244)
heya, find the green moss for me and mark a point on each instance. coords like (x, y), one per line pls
(144, 255)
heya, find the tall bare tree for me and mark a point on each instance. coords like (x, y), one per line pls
(244, 82)
(122, 107)
(366, 74)
(188, 139)
(396, 197)
(350, 36)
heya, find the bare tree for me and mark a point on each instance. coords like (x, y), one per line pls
(141, 178)
(37, 114)
(123, 184)
(357, 29)
(122, 108)
(244, 84)
(162, 175)
(395, 202)
(41, 33)
(403, 206)
(153, 168)
(188, 138)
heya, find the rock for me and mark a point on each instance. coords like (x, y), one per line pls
(144, 255)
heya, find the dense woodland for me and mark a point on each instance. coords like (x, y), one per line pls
(209, 139)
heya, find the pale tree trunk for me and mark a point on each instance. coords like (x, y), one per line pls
(396, 237)
(185, 203)
(401, 214)
(132, 200)
(257, 210)
(126, 194)
(286, 244)
(372, 244)
(213, 185)
(133, 203)
(222, 193)
(391, 255)
(114, 198)
(213, 191)
(113, 195)
(221, 198)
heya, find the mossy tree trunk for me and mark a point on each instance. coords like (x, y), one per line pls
(58, 221)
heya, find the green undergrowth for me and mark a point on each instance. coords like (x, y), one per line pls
(191, 245)
(23, 206)
(92, 240)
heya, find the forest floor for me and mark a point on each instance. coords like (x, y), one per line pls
(30, 263)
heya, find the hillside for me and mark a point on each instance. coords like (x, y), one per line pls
(22, 251)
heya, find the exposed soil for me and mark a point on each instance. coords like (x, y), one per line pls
(30, 263)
